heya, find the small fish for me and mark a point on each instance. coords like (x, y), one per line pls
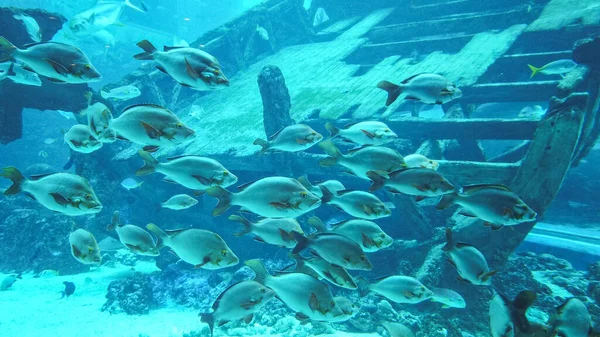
(84, 247)
(69, 289)
(379, 159)
(397, 329)
(80, 139)
(417, 160)
(468, 261)
(151, 125)
(179, 202)
(420, 182)
(533, 111)
(320, 17)
(32, 27)
(448, 298)
(191, 67)
(48, 273)
(59, 62)
(43, 154)
(326, 270)
(291, 138)
(497, 205)
(272, 231)
(20, 75)
(198, 247)
(99, 119)
(262, 32)
(131, 184)
(194, 172)
(66, 114)
(134, 238)
(274, 197)
(363, 133)
(559, 67)
(121, 93)
(8, 281)
(334, 248)
(397, 288)
(349, 309)
(304, 294)
(100, 16)
(239, 301)
(426, 88)
(333, 186)
(359, 204)
(66, 193)
(49, 141)
(367, 234)
(572, 319)
(508, 318)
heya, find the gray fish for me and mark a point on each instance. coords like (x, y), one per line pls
(190, 67)
(66, 193)
(495, 204)
(333, 186)
(334, 248)
(448, 298)
(367, 234)
(18, 74)
(291, 138)
(363, 133)
(272, 231)
(80, 139)
(419, 160)
(468, 261)
(397, 329)
(349, 309)
(8, 281)
(32, 27)
(99, 119)
(420, 182)
(121, 93)
(572, 319)
(84, 247)
(59, 62)
(508, 318)
(326, 270)
(559, 67)
(426, 88)
(240, 300)
(133, 237)
(359, 204)
(179, 202)
(397, 288)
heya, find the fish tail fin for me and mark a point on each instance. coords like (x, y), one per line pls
(593, 333)
(363, 286)
(332, 151)
(71, 160)
(449, 242)
(149, 164)
(209, 319)
(224, 197)
(6, 50)
(446, 201)
(11, 70)
(327, 195)
(16, 177)
(263, 143)
(161, 236)
(104, 94)
(148, 48)
(377, 180)
(114, 223)
(304, 181)
(142, 8)
(300, 264)
(392, 89)
(247, 224)
(534, 70)
(317, 224)
(302, 242)
(259, 269)
(333, 131)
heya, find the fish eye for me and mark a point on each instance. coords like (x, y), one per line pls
(217, 72)
(382, 235)
(362, 257)
(88, 197)
(179, 125)
(87, 67)
(224, 252)
(225, 173)
(303, 194)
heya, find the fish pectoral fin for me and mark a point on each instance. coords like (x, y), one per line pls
(419, 198)
(280, 205)
(151, 131)
(393, 190)
(285, 236)
(76, 143)
(190, 71)
(366, 241)
(55, 80)
(484, 276)
(301, 141)
(409, 295)
(221, 323)
(421, 188)
(248, 318)
(367, 210)
(76, 252)
(150, 148)
(204, 262)
(259, 239)
(93, 126)
(301, 317)
(133, 248)
(460, 278)
(60, 199)
(367, 133)
(464, 212)
(248, 305)
(412, 98)
(162, 69)
(59, 68)
(203, 180)
(313, 303)
(451, 262)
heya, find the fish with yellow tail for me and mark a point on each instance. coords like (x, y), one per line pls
(272, 197)
(239, 301)
(425, 88)
(84, 247)
(559, 67)
(66, 193)
(495, 204)
(293, 138)
(198, 247)
(133, 237)
(469, 262)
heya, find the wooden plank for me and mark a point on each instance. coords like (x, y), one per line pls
(470, 172)
(509, 92)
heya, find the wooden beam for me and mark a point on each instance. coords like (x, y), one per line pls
(509, 92)
(470, 172)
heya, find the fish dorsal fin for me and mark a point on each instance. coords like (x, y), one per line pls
(175, 232)
(245, 185)
(356, 149)
(179, 157)
(350, 124)
(273, 136)
(342, 192)
(397, 172)
(463, 245)
(381, 278)
(146, 105)
(338, 224)
(410, 78)
(27, 45)
(167, 48)
(40, 176)
(474, 188)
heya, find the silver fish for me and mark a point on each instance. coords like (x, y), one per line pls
(18, 74)
(420, 182)
(417, 160)
(179, 202)
(448, 298)
(426, 88)
(334, 248)
(99, 119)
(333, 186)
(367, 234)
(397, 288)
(363, 133)
(84, 247)
(80, 139)
(559, 67)
(99, 17)
(359, 204)
(32, 27)
(121, 93)
(468, 261)
(508, 318)
(326, 270)
(293, 138)
(133, 237)
(572, 319)
(272, 231)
